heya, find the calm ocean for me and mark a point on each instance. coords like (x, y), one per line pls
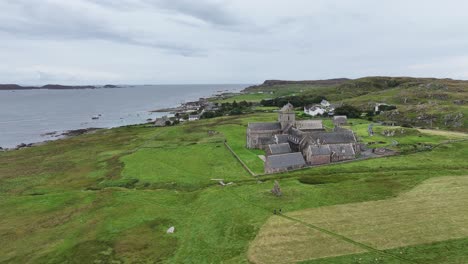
(26, 115)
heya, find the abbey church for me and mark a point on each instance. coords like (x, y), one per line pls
(292, 144)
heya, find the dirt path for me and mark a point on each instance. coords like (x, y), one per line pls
(445, 133)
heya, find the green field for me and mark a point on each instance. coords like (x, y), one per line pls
(433, 211)
(110, 196)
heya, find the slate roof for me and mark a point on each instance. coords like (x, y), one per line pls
(285, 160)
(309, 124)
(279, 148)
(342, 149)
(334, 137)
(265, 126)
(340, 119)
(320, 149)
(282, 138)
(296, 135)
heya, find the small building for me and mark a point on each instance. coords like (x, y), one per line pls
(319, 109)
(161, 121)
(318, 154)
(210, 106)
(193, 117)
(340, 120)
(275, 149)
(310, 125)
(284, 162)
(342, 152)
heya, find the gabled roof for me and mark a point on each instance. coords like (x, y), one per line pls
(334, 137)
(285, 160)
(340, 118)
(342, 149)
(309, 124)
(279, 148)
(296, 135)
(265, 126)
(320, 149)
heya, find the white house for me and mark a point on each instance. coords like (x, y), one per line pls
(319, 109)
(193, 117)
(377, 105)
(314, 110)
(325, 103)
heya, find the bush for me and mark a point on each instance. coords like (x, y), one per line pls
(297, 101)
(387, 107)
(349, 111)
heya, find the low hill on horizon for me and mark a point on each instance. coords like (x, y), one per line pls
(53, 87)
(422, 102)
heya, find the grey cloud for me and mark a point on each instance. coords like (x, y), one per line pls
(54, 21)
(209, 12)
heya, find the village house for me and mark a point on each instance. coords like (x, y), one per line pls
(284, 141)
(314, 110)
(193, 117)
(161, 121)
(319, 109)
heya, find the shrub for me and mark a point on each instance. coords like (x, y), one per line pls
(348, 110)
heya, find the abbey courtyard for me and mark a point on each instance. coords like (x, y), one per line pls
(293, 144)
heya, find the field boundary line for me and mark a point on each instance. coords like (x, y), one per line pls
(328, 232)
(346, 239)
(239, 159)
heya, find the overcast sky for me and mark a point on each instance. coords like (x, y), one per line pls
(229, 41)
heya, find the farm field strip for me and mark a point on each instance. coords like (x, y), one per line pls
(433, 211)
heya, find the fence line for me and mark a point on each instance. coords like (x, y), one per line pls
(239, 159)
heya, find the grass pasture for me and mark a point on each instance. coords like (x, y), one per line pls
(432, 212)
(109, 197)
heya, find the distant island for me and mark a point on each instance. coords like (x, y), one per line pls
(53, 87)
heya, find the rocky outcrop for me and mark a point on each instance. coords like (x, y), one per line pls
(48, 86)
(60, 87)
(328, 82)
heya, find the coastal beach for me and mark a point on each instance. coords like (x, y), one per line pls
(31, 116)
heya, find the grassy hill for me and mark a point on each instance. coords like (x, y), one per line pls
(110, 196)
(421, 102)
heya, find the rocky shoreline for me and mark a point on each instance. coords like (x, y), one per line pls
(58, 135)
(187, 107)
(195, 105)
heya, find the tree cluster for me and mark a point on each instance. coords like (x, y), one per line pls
(348, 110)
(297, 101)
(234, 108)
